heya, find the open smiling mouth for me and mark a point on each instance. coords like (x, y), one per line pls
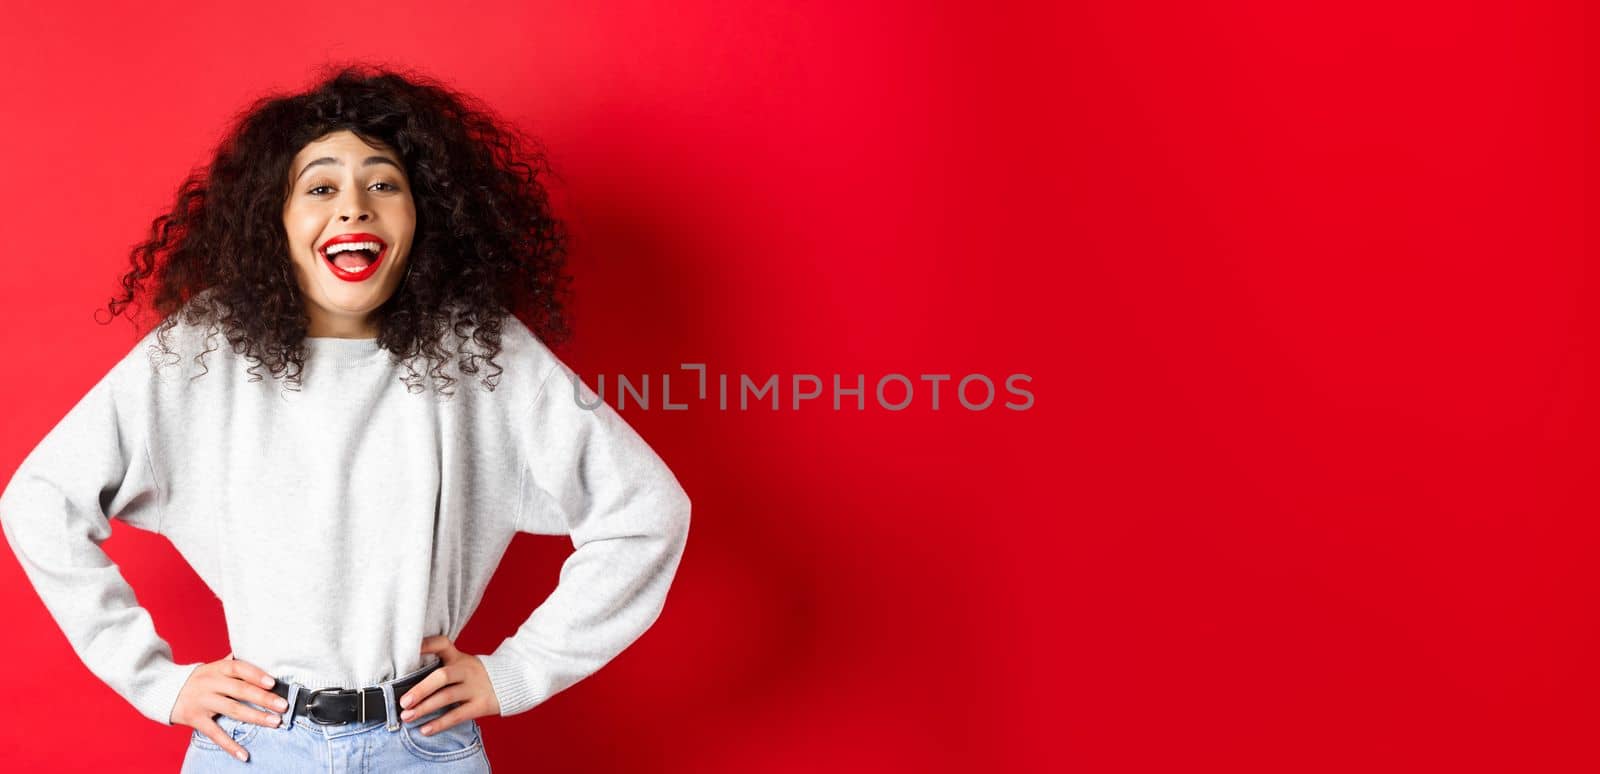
(353, 257)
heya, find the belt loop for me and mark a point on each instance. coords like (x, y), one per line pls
(392, 719)
(288, 715)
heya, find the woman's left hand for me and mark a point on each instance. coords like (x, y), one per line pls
(461, 678)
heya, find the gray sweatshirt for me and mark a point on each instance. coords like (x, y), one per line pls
(343, 524)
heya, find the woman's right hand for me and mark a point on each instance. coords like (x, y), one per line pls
(220, 688)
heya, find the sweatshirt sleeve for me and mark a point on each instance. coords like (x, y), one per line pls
(56, 512)
(591, 476)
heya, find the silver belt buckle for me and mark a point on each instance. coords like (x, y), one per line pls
(361, 705)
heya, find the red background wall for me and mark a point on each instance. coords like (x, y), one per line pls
(1302, 293)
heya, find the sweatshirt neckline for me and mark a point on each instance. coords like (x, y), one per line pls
(331, 349)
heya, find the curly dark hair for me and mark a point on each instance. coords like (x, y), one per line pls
(486, 243)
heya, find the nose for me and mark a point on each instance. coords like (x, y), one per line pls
(354, 208)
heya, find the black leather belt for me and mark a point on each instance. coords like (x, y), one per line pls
(337, 706)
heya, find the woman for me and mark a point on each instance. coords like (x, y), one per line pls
(348, 517)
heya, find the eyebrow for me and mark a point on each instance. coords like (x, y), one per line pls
(370, 160)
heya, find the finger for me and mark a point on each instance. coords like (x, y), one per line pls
(435, 680)
(221, 739)
(244, 691)
(444, 696)
(248, 672)
(245, 713)
(436, 643)
(460, 714)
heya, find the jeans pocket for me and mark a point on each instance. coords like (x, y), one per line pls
(458, 741)
(240, 731)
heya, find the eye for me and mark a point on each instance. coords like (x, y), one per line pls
(313, 191)
(392, 187)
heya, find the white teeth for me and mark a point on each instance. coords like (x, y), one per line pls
(333, 250)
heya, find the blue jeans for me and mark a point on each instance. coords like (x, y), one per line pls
(382, 744)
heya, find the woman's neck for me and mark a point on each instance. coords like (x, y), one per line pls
(341, 329)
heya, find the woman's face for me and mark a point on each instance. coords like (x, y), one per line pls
(342, 193)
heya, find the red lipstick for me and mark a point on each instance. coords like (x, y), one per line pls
(359, 236)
